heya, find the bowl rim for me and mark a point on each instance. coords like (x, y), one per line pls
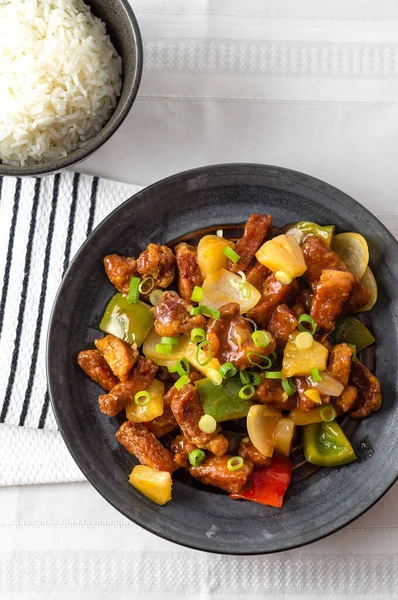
(184, 175)
(80, 154)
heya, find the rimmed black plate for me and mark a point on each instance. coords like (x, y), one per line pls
(197, 517)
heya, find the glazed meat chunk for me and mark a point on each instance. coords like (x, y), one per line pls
(120, 270)
(249, 452)
(157, 262)
(304, 403)
(283, 322)
(369, 395)
(256, 274)
(188, 409)
(189, 273)
(231, 337)
(95, 366)
(140, 442)
(270, 391)
(181, 449)
(172, 316)
(318, 257)
(119, 355)
(273, 294)
(214, 471)
(348, 396)
(254, 234)
(339, 365)
(141, 376)
(331, 292)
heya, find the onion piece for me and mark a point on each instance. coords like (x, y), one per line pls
(261, 424)
(329, 386)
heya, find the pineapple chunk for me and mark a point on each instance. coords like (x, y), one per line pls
(155, 485)
(148, 412)
(211, 257)
(300, 362)
(282, 253)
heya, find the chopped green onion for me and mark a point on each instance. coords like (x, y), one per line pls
(199, 349)
(142, 398)
(246, 293)
(155, 297)
(247, 391)
(169, 340)
(197, 294)
(198, 335)
(261, 338)
(306, 319)
(146, 286)
(231, 254)
(244, 377)
(196, 457)
(304, 340)
(254, 377)
(214, 376)
(315, 376)
(207, 424)
(181, 382)
(288, 386)
(273, 356)
(164, 348)
(283, 277)
(268, 361)
(328, 413)
(205, 310)
(252, 322)
(182, 367)
(235, 463)
(273, 374)
(133, 294)
(354, 354)
(227, 370)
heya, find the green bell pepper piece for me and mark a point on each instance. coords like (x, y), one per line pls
(304, 229)
(326, 444)
(352, 331)
(222, 401)
(129, 322)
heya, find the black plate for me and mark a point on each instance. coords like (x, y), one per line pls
(197, 516)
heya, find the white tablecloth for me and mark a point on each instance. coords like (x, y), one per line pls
(306, 85)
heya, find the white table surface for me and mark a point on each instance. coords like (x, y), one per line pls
(232, 81)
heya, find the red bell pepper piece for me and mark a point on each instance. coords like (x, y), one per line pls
(269, 484)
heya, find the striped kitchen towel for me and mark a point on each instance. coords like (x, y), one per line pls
(43, 222)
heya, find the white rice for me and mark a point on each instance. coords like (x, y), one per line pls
(60, 78)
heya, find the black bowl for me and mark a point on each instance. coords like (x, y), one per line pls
(124, 32)
(198, 516)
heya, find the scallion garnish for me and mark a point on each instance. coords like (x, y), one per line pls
(198, 335)
(261, 338)
(231, 254)
(328, 413)
(146, 285)
(181, 382)
(169, 340)
(155, 297)
(196, 457)
(227, 370)
(205, 310)
(133, 294)
(247, 391)
(273, 374)
(288, 386)
(283, 277)
(197, 294)
(354, 354)
(306, 319)
(246, 293)
(182, 367)
(142, 398)
(214, 376)
(200, 349)
(267, 364)
(304, 340)
(207, 424)
(164, 348)
(315, 376)
(235, 463)
(244, 377)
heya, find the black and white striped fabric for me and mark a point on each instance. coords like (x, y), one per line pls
(43, 222)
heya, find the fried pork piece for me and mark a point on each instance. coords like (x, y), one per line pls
(369, 395)
(181, 449)
(339, 365)
(172, 316)
(120, 269)
(283, 322)
(119, 355)
(248, 451)
(348, 396)
(331, 293)
(141, 376)
(189, 273)
(188, 409)
(273, 294)
(304, 403)
(231, 336)
(95, 366)
(270, 391)
(256, 274)
(157, 262)
(214, 471)
(318, 257)
(140, 442)
(254, 234)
